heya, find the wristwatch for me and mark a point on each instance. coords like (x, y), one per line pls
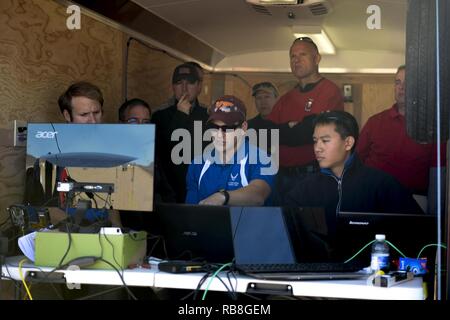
(227, 196)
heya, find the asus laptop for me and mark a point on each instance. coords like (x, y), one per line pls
(193, 232)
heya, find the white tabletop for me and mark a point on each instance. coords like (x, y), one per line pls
(347, 289)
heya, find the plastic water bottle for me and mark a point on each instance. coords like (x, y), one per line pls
(380, 254)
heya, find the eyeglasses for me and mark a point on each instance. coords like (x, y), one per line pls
(138, 121)
(225, 127)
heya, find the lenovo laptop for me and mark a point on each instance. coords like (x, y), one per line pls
(408, 232)
(276, 243)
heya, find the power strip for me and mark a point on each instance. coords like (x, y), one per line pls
(181, 266)
(392, 279)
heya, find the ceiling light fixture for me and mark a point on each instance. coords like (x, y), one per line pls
(275, 2)
(319, 37)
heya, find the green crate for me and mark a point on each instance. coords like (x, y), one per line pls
(120, 250)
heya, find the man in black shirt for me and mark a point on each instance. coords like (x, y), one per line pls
(184, 114)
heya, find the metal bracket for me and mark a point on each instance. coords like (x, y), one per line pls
(46, 277)
(269, 288)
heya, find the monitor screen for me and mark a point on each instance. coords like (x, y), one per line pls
(114, 162)
(409, 233)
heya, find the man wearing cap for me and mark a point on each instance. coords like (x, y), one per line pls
(266, 96)
(232, 173)
(181, 115)
(312, 95)
(200, 73)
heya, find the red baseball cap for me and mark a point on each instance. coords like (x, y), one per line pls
(228, 109)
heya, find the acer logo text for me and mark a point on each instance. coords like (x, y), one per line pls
(46, 134)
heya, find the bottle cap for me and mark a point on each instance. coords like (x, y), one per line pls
(380, 237)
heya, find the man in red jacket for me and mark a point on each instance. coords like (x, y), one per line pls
(312, 95)
(384, 144)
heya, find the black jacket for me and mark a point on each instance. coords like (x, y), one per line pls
(299, 135)
(166, 121)
(361, 189)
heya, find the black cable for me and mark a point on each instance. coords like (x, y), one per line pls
(100, 293)
(19, 286)
(237, 224)
(236, 76)
(168, 54)
(59, 149)
(95, 202)
(60, 263)
(46, 202)
(68, 246)
(233, 289)
(113, 252)
(230, 292)
(200, 283)
(154, 246)
(51, 284)
(121, 278)
(4, 222)
(127, 54)
(16, 283)
(56, 139)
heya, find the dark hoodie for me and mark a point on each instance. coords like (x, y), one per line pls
(360, 189)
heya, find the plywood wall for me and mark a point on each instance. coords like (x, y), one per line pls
(12, 177)
(40, 57)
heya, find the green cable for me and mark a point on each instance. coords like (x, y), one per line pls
(395, 248)
(212, 278)
(369, 245)
(429, 245)
(360, 251)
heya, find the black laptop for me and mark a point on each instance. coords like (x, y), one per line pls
(276, 243)
(196, 233)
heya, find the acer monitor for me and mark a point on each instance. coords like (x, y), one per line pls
(112, 162)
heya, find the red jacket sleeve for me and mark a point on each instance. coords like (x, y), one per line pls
(364, 142)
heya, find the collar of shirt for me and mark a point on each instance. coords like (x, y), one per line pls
(240, 154)
(308, 86)
(393, 112)
(347, 164)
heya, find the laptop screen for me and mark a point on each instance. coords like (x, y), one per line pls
(408, 232)
(274, 235)
(193, 232)
(261, 236)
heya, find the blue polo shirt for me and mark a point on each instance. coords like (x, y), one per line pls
(206, 175)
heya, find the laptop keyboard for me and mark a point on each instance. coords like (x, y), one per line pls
(301, 267)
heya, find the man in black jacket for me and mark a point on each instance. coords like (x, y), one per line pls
(184, 114)
(344, 183)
